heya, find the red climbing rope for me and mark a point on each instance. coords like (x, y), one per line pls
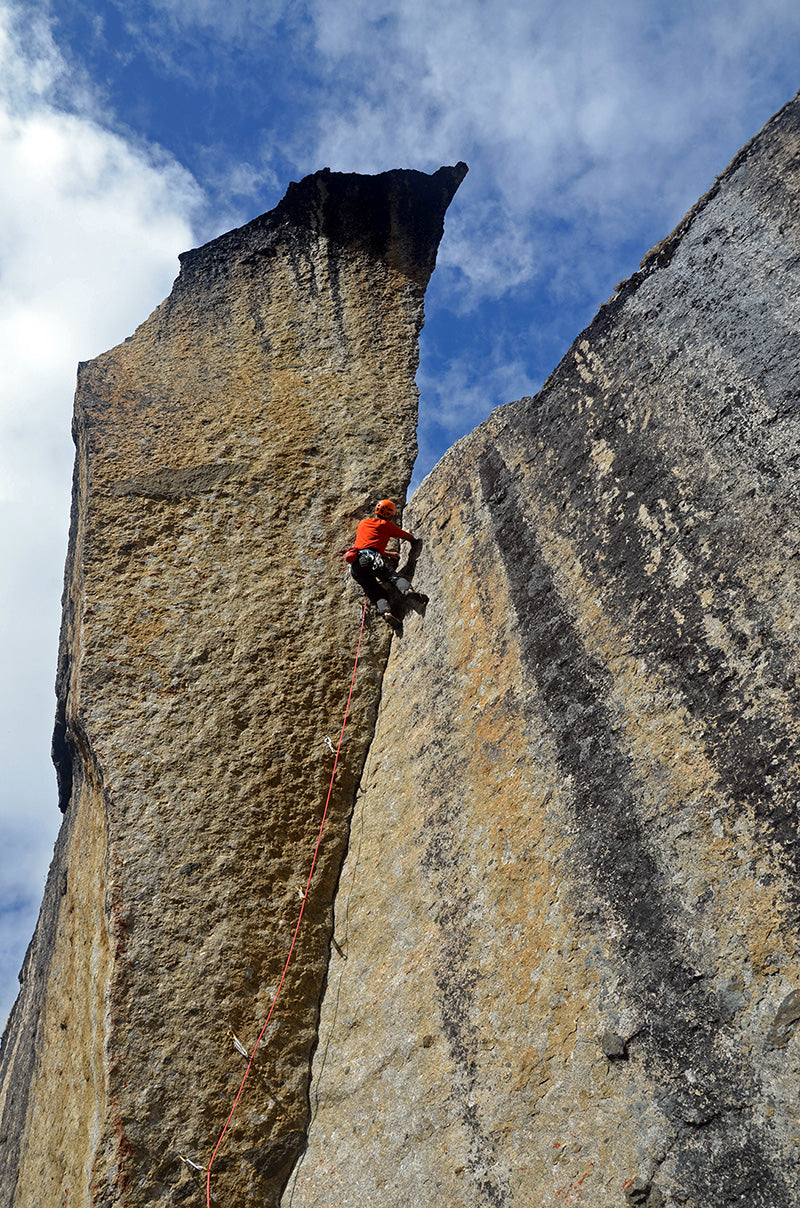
(299, 917)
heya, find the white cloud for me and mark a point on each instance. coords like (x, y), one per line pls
(90, 229)
(609, 116)
(586, 113)
(236, 22)
(465, 394)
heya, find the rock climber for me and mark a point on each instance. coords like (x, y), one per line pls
(371, 564)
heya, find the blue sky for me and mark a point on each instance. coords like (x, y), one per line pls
(131, 130)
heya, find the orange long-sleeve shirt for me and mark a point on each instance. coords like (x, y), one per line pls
(374, 533)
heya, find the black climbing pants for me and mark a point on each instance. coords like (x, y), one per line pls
(369, 569)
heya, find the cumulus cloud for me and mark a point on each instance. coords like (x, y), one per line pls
(582, 113)
(90, 228)
(587, 120)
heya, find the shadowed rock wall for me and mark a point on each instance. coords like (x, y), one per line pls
(570, 903)
(224, 454)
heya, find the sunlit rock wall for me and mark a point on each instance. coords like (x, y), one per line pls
(224, 454)
(570, 904)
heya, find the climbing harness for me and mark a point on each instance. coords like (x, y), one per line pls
(370, 559)
(239, 1046)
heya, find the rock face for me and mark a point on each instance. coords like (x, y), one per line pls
(566, 966)
(570, 903)
(224, 454)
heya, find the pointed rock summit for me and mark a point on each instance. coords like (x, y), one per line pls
(224, 455)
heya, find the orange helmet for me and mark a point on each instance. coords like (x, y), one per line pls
(385, 509)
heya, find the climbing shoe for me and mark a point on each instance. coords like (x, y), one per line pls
(393, 623)
(416, 600)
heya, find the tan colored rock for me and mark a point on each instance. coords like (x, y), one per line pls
(570, 903)
(224, 454)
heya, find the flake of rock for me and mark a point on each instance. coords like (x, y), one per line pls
(784, 1025)
(614, 1046)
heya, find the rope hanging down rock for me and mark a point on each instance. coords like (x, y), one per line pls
(299, 917)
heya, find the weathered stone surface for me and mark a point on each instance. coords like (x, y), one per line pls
(579, 814)
(224, 454)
